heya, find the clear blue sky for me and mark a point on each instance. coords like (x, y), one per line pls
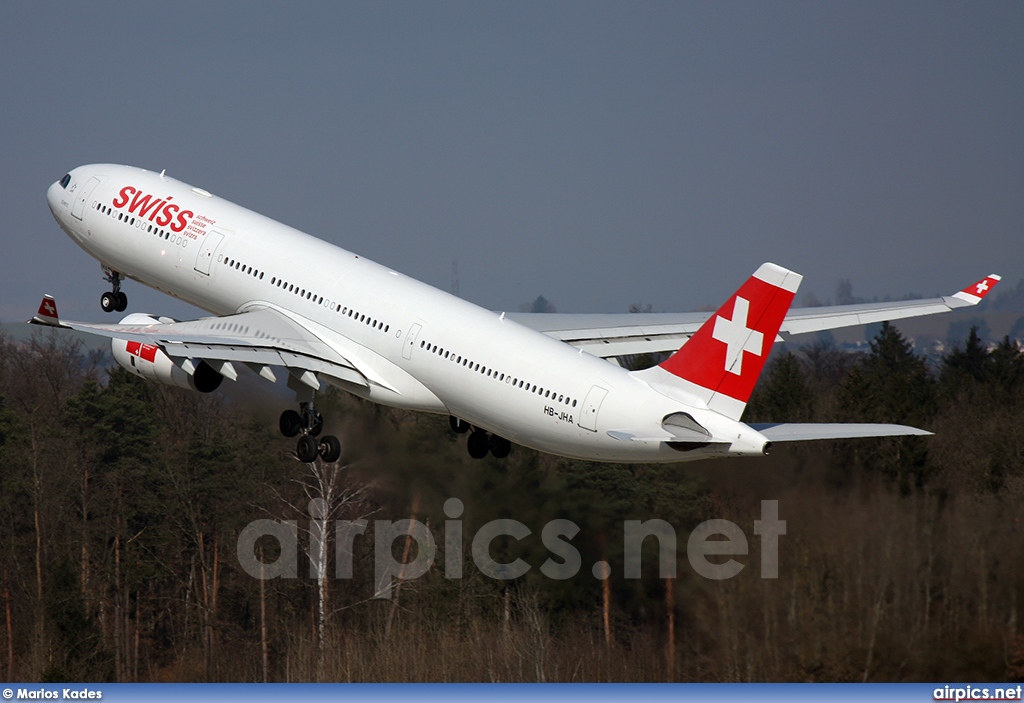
(596, 153)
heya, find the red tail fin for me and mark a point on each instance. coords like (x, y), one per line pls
(724, 358)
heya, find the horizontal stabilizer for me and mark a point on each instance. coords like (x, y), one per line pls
(677, 434)
(805, 431)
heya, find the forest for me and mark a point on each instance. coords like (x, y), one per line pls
(122, 503)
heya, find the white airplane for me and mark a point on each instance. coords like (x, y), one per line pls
(281, 298)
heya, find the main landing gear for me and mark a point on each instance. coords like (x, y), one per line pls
(308, 423)
(114, 300)
(481, 442)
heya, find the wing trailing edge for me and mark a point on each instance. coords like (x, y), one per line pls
(622, 334)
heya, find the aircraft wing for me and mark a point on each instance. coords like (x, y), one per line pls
(616, 334)
(259, 338)
(621, 334)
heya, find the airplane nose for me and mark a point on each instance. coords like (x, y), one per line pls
(53, 194)
(57, 196)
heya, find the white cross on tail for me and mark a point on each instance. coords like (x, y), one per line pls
(737, 337)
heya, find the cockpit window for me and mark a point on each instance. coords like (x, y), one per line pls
(64, 181)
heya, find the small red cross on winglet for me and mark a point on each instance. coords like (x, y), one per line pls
(976, 291)
(47, 314)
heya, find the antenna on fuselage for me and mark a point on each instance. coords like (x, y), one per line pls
(162, 174)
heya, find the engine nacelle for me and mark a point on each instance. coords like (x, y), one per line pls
(152, 364)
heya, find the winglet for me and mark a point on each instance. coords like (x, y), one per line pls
(973, 294)
(47, 314)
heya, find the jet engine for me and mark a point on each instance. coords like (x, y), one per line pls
(151, 363)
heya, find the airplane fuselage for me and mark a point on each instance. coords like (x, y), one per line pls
(429, 351)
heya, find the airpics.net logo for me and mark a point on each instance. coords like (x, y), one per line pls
(723, 540)
(977, 693)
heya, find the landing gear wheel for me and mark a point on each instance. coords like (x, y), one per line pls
(307, 449)
(458, 426)
(109, 301)
(114, 299)
(478, 444)
(308, 423)
(290, 423)
(500, 447)
(330, 448)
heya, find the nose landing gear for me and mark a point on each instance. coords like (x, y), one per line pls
(114, 300)
(308, 424)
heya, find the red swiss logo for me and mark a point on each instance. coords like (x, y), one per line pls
(160, 211)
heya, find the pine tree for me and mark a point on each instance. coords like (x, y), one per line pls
(966, 368)
(891, 384)
(782, 394)
(1007, 369)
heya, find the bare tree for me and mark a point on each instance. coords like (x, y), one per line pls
(330, 493)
